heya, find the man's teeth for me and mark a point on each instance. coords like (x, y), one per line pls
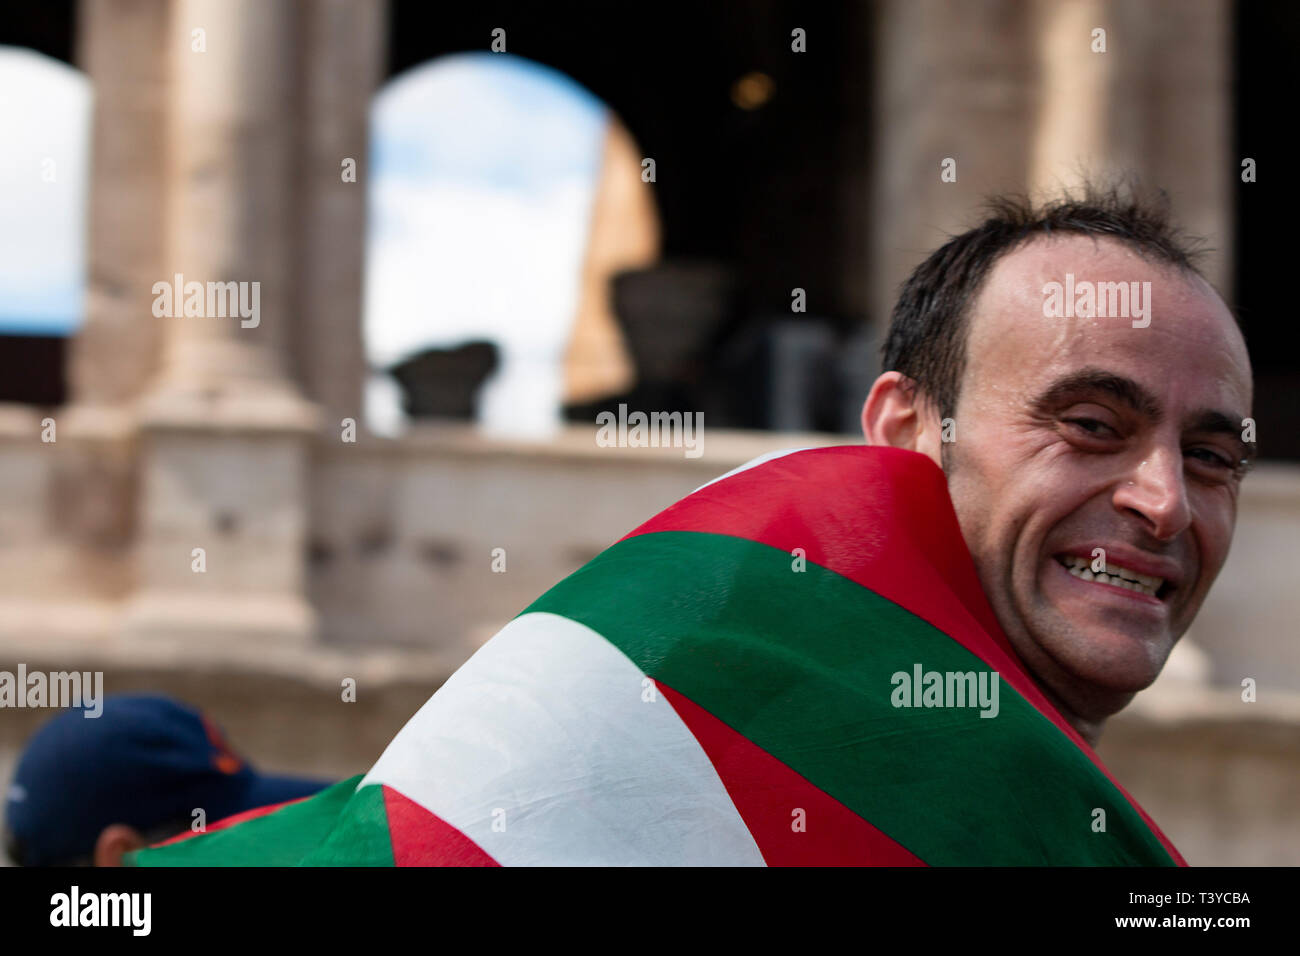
(1115, 574)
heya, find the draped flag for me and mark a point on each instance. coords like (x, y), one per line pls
(794, 665)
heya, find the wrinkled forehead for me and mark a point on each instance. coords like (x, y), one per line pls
(1056, 304)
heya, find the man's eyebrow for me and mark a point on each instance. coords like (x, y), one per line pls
(1086, 380)
(1211, 421)
(1142, 401)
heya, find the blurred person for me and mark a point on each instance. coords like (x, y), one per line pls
(896, 653)
(87, 791)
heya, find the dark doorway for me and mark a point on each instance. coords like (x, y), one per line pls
(1268, 210)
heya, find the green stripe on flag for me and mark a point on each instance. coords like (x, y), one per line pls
(310, 828)
(362, 837)
(801, 662)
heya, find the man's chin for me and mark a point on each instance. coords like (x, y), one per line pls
(1110, 665)
(1099, 670)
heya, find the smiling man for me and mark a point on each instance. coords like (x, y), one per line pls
(892, 654)
(1076, 442)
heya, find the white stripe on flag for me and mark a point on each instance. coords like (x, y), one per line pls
(755, 462)
(542, 750)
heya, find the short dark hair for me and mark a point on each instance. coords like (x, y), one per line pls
(928, 328)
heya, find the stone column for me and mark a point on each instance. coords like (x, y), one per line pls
(122, 46)
(223, 516)
(1078, 129)
(1155, 103)
(230, 201)
(1014, 93)
(954, 80)
(1188, 129)
(344, 51)
(86, 542)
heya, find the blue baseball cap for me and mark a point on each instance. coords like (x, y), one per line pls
(146, 761)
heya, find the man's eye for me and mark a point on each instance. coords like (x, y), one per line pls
(1093, 427)
(1213, 458)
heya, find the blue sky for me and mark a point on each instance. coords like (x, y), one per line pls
(45, 115)
(487, 119)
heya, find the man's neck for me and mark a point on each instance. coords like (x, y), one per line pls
(1088, 728)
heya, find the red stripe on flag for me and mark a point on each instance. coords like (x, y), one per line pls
(230, 821)
(420, 838)
(767, 793)
(878, 516)
(881, 517)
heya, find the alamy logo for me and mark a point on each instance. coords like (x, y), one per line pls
(656, 430)
(1101, 300)
(61, 689)
(923, 688)
(215, 300)
(103, 909)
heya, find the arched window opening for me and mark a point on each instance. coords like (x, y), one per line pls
(502, 199)
(43, 192)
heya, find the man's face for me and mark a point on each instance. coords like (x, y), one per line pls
(1076, 434)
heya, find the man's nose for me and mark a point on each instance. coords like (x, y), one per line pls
(1156, 489)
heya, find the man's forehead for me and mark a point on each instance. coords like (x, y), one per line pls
(1014, 287)
(1189, 331)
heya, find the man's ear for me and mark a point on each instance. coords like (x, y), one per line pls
(116, 840)
(896, 414)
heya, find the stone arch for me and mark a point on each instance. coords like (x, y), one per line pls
(503, 197)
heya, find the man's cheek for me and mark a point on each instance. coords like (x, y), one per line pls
(1211, 547)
